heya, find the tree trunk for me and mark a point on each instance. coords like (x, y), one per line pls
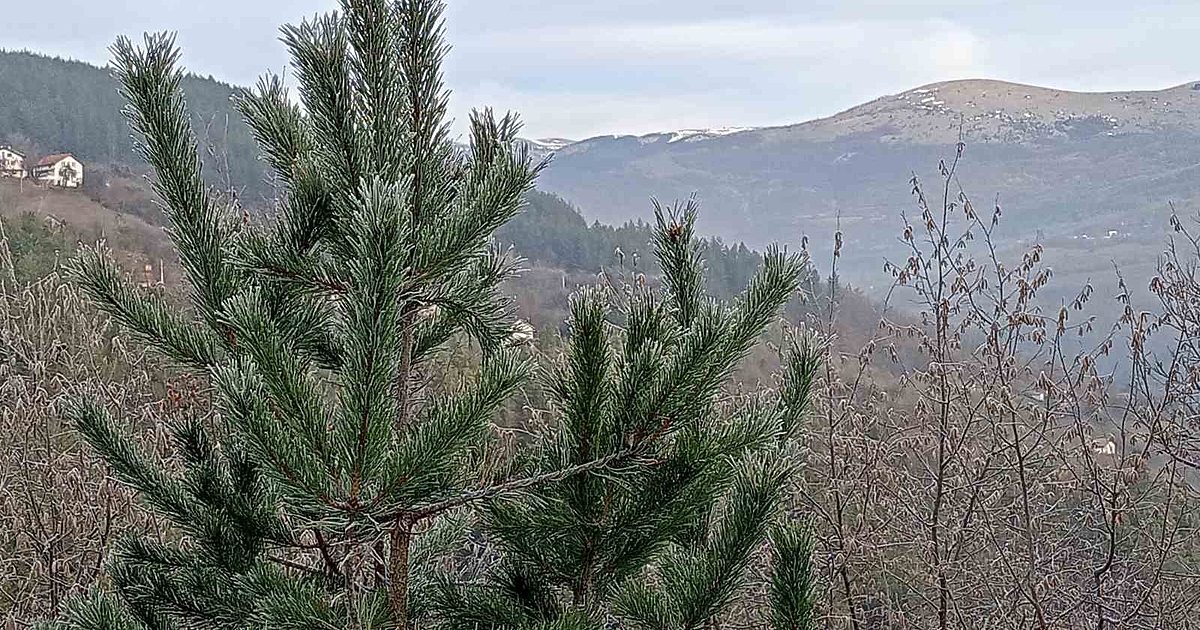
(398, 561)
(402, 528)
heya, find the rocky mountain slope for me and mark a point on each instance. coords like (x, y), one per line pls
(1091, 173)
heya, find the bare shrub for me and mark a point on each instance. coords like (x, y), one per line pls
(58, 508)
(1029, 470)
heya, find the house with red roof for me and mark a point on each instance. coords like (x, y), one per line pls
(60, 169)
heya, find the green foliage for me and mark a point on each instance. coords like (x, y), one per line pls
(552, 232)
(35, 247)
(295, 499)
(663, 538)
(791, 591)
(313, 328)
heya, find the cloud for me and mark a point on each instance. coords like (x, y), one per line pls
(640, 78)
(580, 116)
(582, 67)
(741, 40)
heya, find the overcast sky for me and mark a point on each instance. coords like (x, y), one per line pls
(579, 68)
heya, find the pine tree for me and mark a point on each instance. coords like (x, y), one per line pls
(663, 540)
(296, 502)
(297, 499)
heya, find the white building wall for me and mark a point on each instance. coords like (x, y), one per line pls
(67, 173)
(12, 164)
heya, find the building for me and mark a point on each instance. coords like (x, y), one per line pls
(60, 169)
(12, 163)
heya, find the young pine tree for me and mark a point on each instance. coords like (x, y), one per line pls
(297, 501)
(663, 539)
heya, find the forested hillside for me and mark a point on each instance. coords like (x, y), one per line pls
(49, 105)
(553, 232)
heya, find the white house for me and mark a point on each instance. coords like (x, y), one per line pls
(12, 163)
(60, 169)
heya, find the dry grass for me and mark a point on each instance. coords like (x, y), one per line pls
(134, 241)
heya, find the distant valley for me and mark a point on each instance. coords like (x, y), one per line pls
(1090, 174)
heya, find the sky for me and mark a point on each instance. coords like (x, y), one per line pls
(582, 68)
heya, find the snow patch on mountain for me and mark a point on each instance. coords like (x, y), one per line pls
(693, 135)
(550, 144)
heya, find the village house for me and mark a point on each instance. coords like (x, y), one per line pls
(60, 169)
(12, 163)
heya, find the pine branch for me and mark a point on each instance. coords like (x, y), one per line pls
(331, 565)
(698, 586)
(421, 51)
(425, 461)
(244, 401)
(130, 465)
(582, 385)
(490, 195)
(469, 302)
(98, 611)
(319, 55)
(151, 82)
(288, 378)
(284, 562)
(276, 123)
(793, 579)
(283, 599)
(378, 81)
(281, 260)
(517, 485)
(801, 365)
(678, 253)
(146, 316)
(376, 235)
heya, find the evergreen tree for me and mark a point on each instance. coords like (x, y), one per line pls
(314, 331)
(663, 540)
(295, 503)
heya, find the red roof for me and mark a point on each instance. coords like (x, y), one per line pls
(50, 160)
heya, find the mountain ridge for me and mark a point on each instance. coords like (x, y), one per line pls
(1066, 166)
(827, 127)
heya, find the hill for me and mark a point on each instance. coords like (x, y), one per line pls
(1089, 173)
(999, 111)
(49, 105)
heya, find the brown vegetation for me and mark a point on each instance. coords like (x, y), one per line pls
(1006, 480)
(968, 465)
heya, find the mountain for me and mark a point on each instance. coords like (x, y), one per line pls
(1091, 173)
(544, 147)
